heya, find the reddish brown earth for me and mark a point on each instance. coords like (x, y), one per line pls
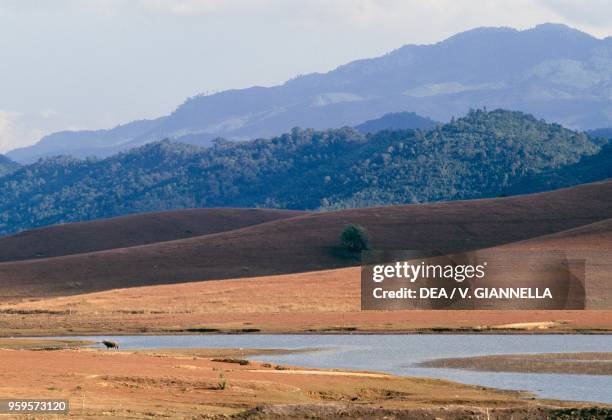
(310, 242)
(132, 230)
(132, 385)
(592, 244)
(176, 385)
(306, 302)
(325, 301)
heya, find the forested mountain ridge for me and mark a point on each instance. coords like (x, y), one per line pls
(396, 121)
(7, 165)
(589, 169)
(483, 154)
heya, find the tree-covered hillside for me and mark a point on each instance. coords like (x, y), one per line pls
(7, 165)
(483, 154)
(396, 121)
(589, 169)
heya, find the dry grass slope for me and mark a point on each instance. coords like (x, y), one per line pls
(304, 302)
(132, 230)
(310, 242)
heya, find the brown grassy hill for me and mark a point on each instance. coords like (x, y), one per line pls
(326, 300)
(595, 236)
(591, 244)
(310, 242)
(132, 230)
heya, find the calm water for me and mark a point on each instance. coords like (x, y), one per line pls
(398, 354)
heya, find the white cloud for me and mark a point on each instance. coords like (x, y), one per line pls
(15, 132)
(6, 130)
(201, 7)
(48, 113)
(593, 16)
(426, 20)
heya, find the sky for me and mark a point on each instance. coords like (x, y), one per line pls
(90, 64)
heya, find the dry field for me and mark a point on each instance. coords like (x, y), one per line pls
(326, 301)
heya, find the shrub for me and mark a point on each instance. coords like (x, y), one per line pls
(355, 238)
(223, 383)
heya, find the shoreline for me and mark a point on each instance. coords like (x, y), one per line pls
(579, 363)
(228, 382)
(339, 331)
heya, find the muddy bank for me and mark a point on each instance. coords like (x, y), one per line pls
(336, 411)
(41, 344)
(566, 363)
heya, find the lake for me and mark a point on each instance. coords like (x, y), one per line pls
(398, 354)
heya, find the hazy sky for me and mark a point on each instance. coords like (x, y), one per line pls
(86, 64)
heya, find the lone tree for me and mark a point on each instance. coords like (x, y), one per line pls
(355, 238)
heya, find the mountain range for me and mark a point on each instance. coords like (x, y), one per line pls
(484, 154)
(551, 71)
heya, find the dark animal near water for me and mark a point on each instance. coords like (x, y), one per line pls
(110, 344)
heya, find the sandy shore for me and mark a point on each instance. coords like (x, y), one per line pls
(573, 363)
(220, 382)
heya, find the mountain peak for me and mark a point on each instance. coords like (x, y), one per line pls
(550, 29)
(478, 32)
(559, 29)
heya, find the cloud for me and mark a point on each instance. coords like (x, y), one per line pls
(593, 16)
(15, 131)
(427, 16)
(6, 130)
(201, 7)
(431, 20)
(48, 113)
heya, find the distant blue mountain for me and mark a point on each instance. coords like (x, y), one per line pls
(396, 121)
(605, 133)
(551, 71)
(83, 144)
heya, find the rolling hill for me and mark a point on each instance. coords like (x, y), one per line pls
(132, 230)
(483, 154)
(311, 242)
(587, 249)
(552, 71)
(324, 301)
